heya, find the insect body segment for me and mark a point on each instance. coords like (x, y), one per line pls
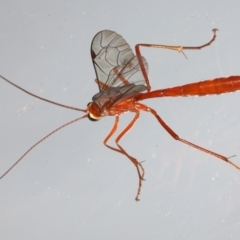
(94, 113)
(209, 87)
(122, 79)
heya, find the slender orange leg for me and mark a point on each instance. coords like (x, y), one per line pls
(110, 135)
(143, 107)
(138, 165)
(133, 160)
(175, 48)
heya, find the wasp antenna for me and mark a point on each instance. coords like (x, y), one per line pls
(33, 146)
(43, 99)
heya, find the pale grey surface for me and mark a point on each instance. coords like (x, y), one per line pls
(71, 186)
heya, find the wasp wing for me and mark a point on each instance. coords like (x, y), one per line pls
(114, 95)
(114, 62)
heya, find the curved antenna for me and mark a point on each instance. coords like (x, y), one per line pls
(46, 100)
(33, 146)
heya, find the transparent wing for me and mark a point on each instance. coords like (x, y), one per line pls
(114, 95)
(114, 62)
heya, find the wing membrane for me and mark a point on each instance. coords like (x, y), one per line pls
(114, 95)
(114, 62)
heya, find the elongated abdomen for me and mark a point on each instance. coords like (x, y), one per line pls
(215, 86)
(208, 87)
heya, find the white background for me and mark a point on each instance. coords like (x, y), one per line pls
(71, 186)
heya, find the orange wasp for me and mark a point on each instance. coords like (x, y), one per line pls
(122, 77)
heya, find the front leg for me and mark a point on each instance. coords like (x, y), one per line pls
(138, 165)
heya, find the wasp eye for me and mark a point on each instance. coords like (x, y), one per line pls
(92, 118)
(89, 104)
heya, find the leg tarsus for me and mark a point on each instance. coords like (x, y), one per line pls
(143, 172)
(139, 190)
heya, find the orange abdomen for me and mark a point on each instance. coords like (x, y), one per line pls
(208, 87)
